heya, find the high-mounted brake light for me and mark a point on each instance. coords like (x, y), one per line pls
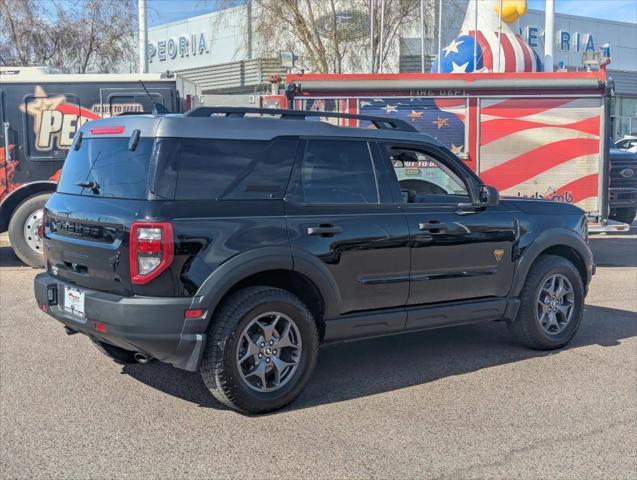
(107, 130)
(151, 250)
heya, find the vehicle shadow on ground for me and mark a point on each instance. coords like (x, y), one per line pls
(614, 251)
(8, 258)
(353, 370)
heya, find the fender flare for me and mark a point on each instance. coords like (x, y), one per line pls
(252, 262)
(17, 196)
(554, 237)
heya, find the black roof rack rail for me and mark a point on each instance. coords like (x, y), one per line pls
(382, 123)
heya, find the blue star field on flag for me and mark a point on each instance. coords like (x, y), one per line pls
(457, 57)
(422, 113)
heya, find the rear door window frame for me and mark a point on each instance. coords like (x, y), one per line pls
(293, 197)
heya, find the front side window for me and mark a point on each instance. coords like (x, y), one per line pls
(335, 171)
(425, 179)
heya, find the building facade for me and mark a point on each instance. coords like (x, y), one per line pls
(215, 51)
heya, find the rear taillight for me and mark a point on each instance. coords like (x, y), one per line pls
(151, 250)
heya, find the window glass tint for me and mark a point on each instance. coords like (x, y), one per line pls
(423, 178)
(110, 168)
(224, 169)
(336, 171)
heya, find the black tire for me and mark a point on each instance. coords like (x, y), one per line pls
(219, 369)
(17, 223)
(118, 355)
(527, 327)
(624, 215)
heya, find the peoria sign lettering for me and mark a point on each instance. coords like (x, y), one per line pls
(182, 45)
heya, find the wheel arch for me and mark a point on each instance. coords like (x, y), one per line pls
(306, 278)
(559, 242)
(19, 195)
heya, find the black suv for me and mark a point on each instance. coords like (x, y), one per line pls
(235, 241)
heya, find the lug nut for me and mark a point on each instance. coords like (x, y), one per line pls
(274, 352)
(267, 360)
(260, 355)
(271, 342)
(263, 344)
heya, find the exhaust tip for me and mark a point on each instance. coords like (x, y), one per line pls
(70, 331)
(141, 358)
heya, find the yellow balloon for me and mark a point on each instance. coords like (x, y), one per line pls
(511, 10)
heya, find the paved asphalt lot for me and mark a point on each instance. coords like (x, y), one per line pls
(464, 402)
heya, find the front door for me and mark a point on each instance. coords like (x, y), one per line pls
(342, 217)
(455, 255)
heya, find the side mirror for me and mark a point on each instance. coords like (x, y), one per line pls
(489, 196)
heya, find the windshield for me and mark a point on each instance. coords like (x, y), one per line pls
(627, 144)
(105, 167)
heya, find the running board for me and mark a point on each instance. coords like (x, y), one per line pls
(421, 317)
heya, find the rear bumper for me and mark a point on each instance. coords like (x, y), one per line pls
(154, 326)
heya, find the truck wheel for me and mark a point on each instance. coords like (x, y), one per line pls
(118, 355)
(624, 215)
(23, 230)
(261, 351)
(551, 304)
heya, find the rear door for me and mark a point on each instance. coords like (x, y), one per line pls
(340, 215)
(4, 145)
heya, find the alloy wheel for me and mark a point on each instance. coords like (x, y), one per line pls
(555, 303)
(269, 352)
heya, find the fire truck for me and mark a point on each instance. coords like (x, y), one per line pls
(535, 134)
(40, 111)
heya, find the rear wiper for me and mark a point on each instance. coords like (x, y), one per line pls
(94, 186)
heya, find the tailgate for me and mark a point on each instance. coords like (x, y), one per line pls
(87, 241)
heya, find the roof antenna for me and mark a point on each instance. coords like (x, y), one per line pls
(158, 108)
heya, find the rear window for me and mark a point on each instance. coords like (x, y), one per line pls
(195, 168)
(107, 168)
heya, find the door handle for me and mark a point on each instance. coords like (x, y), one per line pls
(324, 230)
(435, 228)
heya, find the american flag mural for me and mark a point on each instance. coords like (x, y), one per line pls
(542, 147)
(442, 118)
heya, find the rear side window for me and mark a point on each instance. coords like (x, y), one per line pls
(107, 168)
(335, 171)
(194, 168)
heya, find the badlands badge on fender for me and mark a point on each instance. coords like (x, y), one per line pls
(498, 253)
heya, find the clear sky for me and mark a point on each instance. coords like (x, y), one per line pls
(164, 11)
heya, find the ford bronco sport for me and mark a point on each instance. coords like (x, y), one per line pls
(235, 241)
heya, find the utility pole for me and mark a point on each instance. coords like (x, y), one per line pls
(382, 35)
(249, 26)
(549, 34)
(143, 36)
(439, 33)
(422, 36)
(372, 8)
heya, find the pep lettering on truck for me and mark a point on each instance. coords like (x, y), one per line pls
(55, 120)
